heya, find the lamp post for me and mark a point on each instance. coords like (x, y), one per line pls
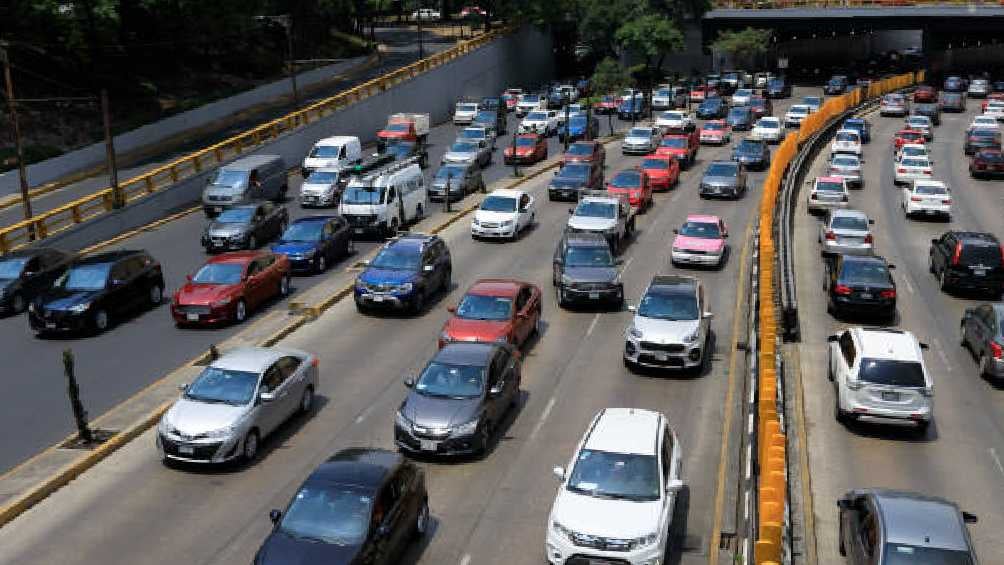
(446, 192)
(568, 126)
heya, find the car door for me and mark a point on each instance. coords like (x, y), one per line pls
(120, 295)
(526, 211)
(255, 289)
(669, 461)
(33, 276)
(984, 322)
(431, 274)
(522, 316)
(54, 264)
(272, 413)
(294, 381)
(271, 277)
(494, 402)
(394, 526)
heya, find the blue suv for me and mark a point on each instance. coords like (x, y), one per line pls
(405, 273)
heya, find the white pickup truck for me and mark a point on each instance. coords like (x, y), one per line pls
(599, 211)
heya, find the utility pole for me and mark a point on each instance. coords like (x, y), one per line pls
(118, 199)
(421, 43)
(19, 150)
(568, 126)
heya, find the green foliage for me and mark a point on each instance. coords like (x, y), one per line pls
(649, 36)
(749, 41)
(609, 76)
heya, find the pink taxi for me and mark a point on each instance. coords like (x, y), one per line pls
(701, 241)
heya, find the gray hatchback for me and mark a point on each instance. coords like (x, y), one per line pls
(982, 332)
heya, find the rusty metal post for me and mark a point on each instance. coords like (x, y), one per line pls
(19, 150)
(118, 199)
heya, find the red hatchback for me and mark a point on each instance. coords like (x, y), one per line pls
(530, 148)
(683, 146)
(634, 184)
(229, 286)
(925, 93)
(663, 171)
(495, 310)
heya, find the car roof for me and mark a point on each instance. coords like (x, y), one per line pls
(702, 218)
(886, 343)
(673, 284)
(625, 430)
(495, 287)
(357, 466)
(507, 192)
(251, 359)
(925, 521)
(335, 140)
(847, 130)
(466, 353)
(238, 257)
(108, 256)
(974, 235)
(413, 240)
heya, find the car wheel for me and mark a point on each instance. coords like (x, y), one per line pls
(321, 264)
(962, 335)
(930, 263)
(307, 400)
(942, 281)
(156, 295)
(984, 366)
(922, 426)
(284, 285)
(422, 520)
(484, 439)
(250, 450)
(559, 297)
(101, 320)
(418, 304)
(838, 413)
(252, 242)
(240, 311)
(17, 303)
(447, 280)
(419, 212)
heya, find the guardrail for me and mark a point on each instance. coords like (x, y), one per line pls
(778, 4)
(773, 519)
(46, 224)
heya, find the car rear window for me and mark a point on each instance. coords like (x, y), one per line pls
(981, 253)
(849, 223)
(929, 189)
(891, 372)
(714, 126)
(991, 156)
(674, 142)
(847, 136)
(900, 554)
(915, 162)
(865, 272)
(627, 179)
(829, 186)
(722, 170)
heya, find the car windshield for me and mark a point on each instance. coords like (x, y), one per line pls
(450, 171)
(672, 116)
(913, 151)
(662, 92)
(714, 126)
(703, 230)
(674, 143)
(11, 268)
(845, 162)
(722, 170)
(85, 277)
(769, 124)
(574, 171)
(473, 134)
(749, 146)
(911, 135)
(533, 98)
(742, 92)
(398, 127)
(323, 177)
(328, 514)
(981, 254)
(451, 381)
(914, 162)
(798, 110)
(849, 223)
(639, 132)
(325, 151)
(463, 147)
(654, 164)
(479, 307)
(467, 107)
(526, 141)
(303, 231)
(775, 83)
(362, 195)
(891, 372)
(536, 116)
(918, 121)
(577, 121)
(620, 476)
(233, 179)
(223, 386)
(739, 113)
(236, 216)
(580, 149)
(588, 256)
(400, 148)
(594, 209)
(929, 189)
(486, 117)
(397, 259)
(829, 186)
(847, 136)
(668, 306)
(626, 179)
(900, 554)
(865, 272)
(812, 100)
(219, 273)
(499, 204)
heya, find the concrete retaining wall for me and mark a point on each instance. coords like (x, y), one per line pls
(515, 59)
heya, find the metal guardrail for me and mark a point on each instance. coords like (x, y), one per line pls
(46, 224)
(779, 4)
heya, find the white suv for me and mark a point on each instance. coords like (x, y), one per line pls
(880, 373)
(615, 502)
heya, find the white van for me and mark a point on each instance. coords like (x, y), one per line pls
(333, 153)
(385, 200)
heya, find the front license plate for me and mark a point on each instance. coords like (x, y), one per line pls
(377, 299)
(890, 396)
(594, 296)
(980, 272)
(867, 295)
(186, 449)
(428, 445)
(359, 230)
(217, 209)
(50, 325)
(192, 317)
(661, 357)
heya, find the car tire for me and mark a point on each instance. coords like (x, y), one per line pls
(922, 426)
(418, 303)
(285, 284)
(240, 311)
(447, 281)
(942, 281)
(422, 520)
(156, 295)
(17, 303)
(252, 242)
(320, 264)
(419, 213)
(484, 439)
(984, 366)
(101, 320)
(249, 448)
(962, 336)
(838, 413)
(307, 400)
(560, 297)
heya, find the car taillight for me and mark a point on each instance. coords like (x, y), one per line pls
(996, 350)
(957, 254)
(927, 171)
(946, 201)
(315, 362)
(901, 170)
(915, 199)
(830, 236)
(843, 198)
(869, 239)
(1002, 253)
(887, 294)
(842, 289)
(813, 196)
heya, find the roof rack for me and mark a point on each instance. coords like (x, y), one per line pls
(393, 167)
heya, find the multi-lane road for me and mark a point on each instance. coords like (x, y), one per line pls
(960, 456)
(130, 508)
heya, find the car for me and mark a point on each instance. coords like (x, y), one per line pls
(713, 107)
(979, 140)
(846, 141)
(462, 179)
(740, 118)
(997, 86)
(987, 163)
(361, 505)
(27, 272)
(912, 150)
(495, 310)
(663, 171)
(910, 169)
(978, 88)
(983, 121)
(491, 103)
(635, 185)
(669, 97)
(700, 241)
(847, 232)
(954, 84)
(860, 125)
(526, 103)
(457, 404)
(732, 80)
(323, 187)
(526, 149)
(615, 502)
(742, 97)
(859, 284)
(836, 85)
(95, 290)
(398, 150)
(478, 152)
(761, 79)
(229, 286)
(982, 332)
(713, 80)
(922, 124)
(752, 154)
(927, 198)
(723, 178)
(995, 108)
(880, 373)
(813, 102)
(671, 325)
(894, 104)
(632, 108)
(510, 97)
(542, 122)
(848, 167)
(925, 93)
(717, 132)
(953, 102)
(827, 193)
(477, 134)
(426, 14)
(701, 93)
(607, 104)
(795, 114)
(571, 179)
(641, 140)
(675, 121)
(905, 136)
(604, 213)
(245, 227)
(493, 121)
(767, 129)
(312, 243)
(472, 12)
(464, 113)
(585, 271)
(930, 110)
(504, 214)
(761, 107)
(683, 147)
(585, 152)
(409, 269)
(994, 97)
(891, 526)
(237, 401)
(967, 260)
(778, 88)
(579, 127)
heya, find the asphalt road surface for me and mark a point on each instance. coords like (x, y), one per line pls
(960, 456)
(130, 508)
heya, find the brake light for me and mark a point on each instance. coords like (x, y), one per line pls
(315, 362)
(927, 171)
(915, 199)
(1002, 253)
(957, 254)
(901, 170)
(842, 289)
(946, 201)
(887, 294)
(996, 350)
(868, 238)
(830, 236)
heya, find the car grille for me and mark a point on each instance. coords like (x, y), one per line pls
(217, 198)
(200, 310)
(202, 451)
(361, 220)
(591, 286)
(668, 347)
(601, 543)
(429, 433)
(489, 224)
(588, 560)
(380, 287)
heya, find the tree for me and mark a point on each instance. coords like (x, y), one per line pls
(749, 42)
(650, 37)
(79, 414)
(609, 77)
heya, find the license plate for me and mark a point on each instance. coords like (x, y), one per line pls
(661, 357)
(186, 449)
(980, 272)
(50, 325)
(192, 317)
(594, 296)
(359, 230)
(428, 444)
(891, 396)
(377, 299)
(867, 295)
(217, 209)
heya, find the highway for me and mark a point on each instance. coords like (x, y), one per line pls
(960, 456)
(130, 508)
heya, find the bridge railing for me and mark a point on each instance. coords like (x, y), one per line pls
(775, 4)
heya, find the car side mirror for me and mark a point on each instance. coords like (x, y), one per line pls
(571, 211)
(871, 222)
(832, 338)
(183, 387)
(495, 390)
(266, 397)
(451, 309)
(924, 346)
(275, 515)
(409, 382)
(618, 261)
(383, 530)
(674, 486)
(365, 263)
(427, 269)
(808, 183)
(934, 241)
(632, 308)
(708, 315)
(970, 518)
(30, 273)
(559, 472)
(844, 504)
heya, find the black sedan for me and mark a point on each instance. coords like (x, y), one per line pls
(712, 108)
(858, 284)
(26, 273)
(245, 227)
(753, 154)
(360, 506)
(456, 405)
(740, 118)
(778, 88)
(931, 110)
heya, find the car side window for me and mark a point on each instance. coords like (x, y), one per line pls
(329, 229)
(266, 261)
(522, 298)
(272, 379)
(254, 268)
(33, 265)
(120, 272)
(847, 348)
(288, 365)
(266, 208)
(667, 453)
(868, 531)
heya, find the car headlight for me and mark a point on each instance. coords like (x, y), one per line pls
(238, 236)
(466, 429)
(502, 339)
(691, 338)
(634, 332)
(222, 432)
(507, 223)
(79, 308)
(562, 531)
(360, 285)
(222, 302)
(565, 279)
(647, 540)
(405, 287)
(31, 307)
(307, 254)
(401, 421)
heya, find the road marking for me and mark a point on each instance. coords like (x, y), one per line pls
(749, 461)
(466, 559)
(543, 418)
(906, 281)
(944, 358)
(362, 416)
(997, 460)
(592, 325)
(627, 263)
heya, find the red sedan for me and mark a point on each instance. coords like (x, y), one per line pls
(633, 183)
(495, 310)
(925, 93)
(663, 171)
(682, 146)
(998, 96)
(585, 152)
(510, 97)
(905, 136)
(229, 286)
(530, 148)
(607, 104)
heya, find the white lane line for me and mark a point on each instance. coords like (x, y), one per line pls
(592, 325)
(749, 461)
(627, 263)
(944, 358)
(466, 559)
(746, 505)
(675, 196)
(543, 418)
(362, 416)
(749, 424)
(906, 281)
(997, 460)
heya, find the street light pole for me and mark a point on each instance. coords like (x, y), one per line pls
(118, 199)
(568, 126)
(19, 150)
(421, 43)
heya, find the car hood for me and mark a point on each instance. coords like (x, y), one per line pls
(486, 216)
(665, 331)
(316, 188)
(60, 299)
(191, 418)
(698, 243)
(719, 181)
(568, 182)
(748, 155)
(383, 276)
(7, 283)
(591, 223)
(432, 412)
(459, 156)
(222, 190)
(475, 330)
(282, 549)
(591, 274)
(712, 133)
(621, 519)
(294, 247)
(219, 229)
(203, 294)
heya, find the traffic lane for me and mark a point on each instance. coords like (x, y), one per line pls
(966, 424)
(234, 501)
